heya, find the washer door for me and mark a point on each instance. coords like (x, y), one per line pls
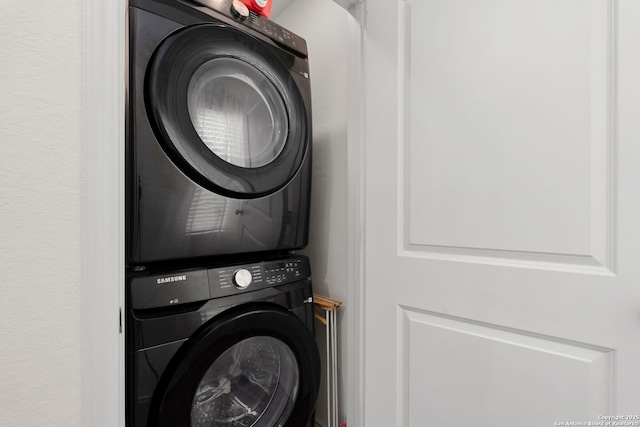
(227, 111)
(256, 365)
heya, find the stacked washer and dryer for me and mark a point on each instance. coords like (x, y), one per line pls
(219, 325)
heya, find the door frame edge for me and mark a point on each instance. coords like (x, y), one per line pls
(103, 264)
(355, 381)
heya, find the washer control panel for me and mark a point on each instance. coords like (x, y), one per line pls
(185, 286)
(234, 279)
(228, 280)
(283, 272)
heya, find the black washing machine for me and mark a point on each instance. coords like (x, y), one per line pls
(218, 133)
(227, 347)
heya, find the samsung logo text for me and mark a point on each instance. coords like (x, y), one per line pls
(171, 279)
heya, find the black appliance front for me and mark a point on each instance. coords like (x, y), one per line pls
(227, 347)
(218, 133)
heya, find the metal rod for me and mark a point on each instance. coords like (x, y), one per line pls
(334, 349)
(329, 374)
(330, 306)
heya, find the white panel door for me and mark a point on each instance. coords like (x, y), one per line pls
(502, 255)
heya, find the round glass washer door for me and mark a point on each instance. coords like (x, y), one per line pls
(227, 111)
(256, 380)
(254, 365)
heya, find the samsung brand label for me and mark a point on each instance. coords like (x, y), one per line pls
(171, 279)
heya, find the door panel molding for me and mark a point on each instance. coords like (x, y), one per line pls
(580, 218)
(530, 260)
(501, 361)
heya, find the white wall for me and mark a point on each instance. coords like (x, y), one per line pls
(324, 25)
(41, 212)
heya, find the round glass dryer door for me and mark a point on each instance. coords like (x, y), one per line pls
(255, 365)
(227, 111)
(237, 112)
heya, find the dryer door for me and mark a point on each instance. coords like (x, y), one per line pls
(227, 110)
(256, 365)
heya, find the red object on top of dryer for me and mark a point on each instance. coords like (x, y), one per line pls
(263, 7)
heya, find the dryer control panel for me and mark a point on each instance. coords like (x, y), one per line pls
(258, 23)
(185, 286)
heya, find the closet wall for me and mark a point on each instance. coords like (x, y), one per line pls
(324, 25)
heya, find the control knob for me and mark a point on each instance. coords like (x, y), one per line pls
(239, 10)
(242, 278)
